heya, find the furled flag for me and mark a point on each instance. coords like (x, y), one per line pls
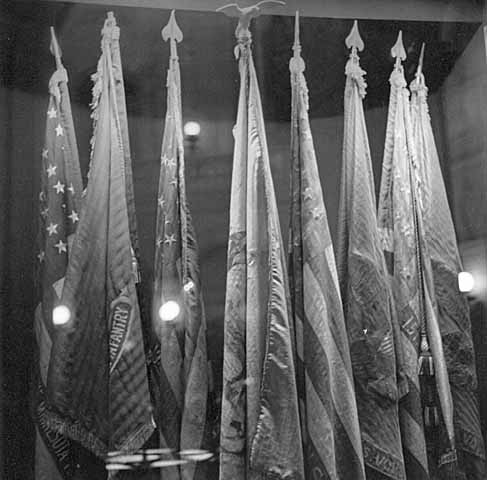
(59, 204)
(367, 299)
(97, 379)
(181, 383)
(401, 232)
(453, 310)
(331, 433)
(398, 223)
(119, 89)
(260, 426)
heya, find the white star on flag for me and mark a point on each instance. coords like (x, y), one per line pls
(317, 213)
(59, 130)
(74, 216)
(171, 162)
(164, 160)
(170, 239)
(45, 212)
(44, 153)
(41, 256)
(161, 201)
(52, 228)
(61, 246)
(71, 188)
(52, 113)
(307, 193)
(59, 187)
(51, 170)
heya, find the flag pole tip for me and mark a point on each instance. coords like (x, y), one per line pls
(296, 64)
(421, 59)
(54, 46)
(172, 30)
(297, 43)
(398, 51)
(354, 40)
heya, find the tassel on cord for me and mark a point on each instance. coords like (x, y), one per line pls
(428, 385)
(425, 363)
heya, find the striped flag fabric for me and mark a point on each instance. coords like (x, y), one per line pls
(398, 223)
(260, 425)
(59, 211)
(97, 378)
(367, 299)
(454, 321)
(332, 444)
(181, 377)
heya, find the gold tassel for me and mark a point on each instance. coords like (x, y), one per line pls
(426, 365)
(431, 417)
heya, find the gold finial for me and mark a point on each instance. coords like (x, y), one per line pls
(354, 40)
(245, 15)
(397, 51)
(173, 33)
(110, 30)
(296, 64)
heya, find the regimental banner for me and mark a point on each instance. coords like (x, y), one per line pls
(367, 299)
(180, 374)
(398, 223)
(260, 426)
(97, 383)
(332, 443)
(454, 322)
(59, 214)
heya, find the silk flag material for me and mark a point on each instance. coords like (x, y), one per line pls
(260, 427)
(182, 375)
(398, 222)
(366, 295)
(59, 209)
(331, 433)
(401, 228)
(97, 377)
(454, 320)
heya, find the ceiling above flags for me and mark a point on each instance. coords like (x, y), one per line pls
(214, 93)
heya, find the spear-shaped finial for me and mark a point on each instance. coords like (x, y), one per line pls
(296, 64)
(55, 50)
(173, 33)
(354, 40)
(419, 71)
(397, 51)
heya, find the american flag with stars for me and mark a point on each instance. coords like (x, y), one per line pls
(59, 210)
(181, 373)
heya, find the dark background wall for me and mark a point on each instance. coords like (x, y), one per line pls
(210, 86)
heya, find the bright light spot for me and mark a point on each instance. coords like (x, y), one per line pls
(192, 129)
(188, 286)
(61, 315)
(466, 282)
(169, 311)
